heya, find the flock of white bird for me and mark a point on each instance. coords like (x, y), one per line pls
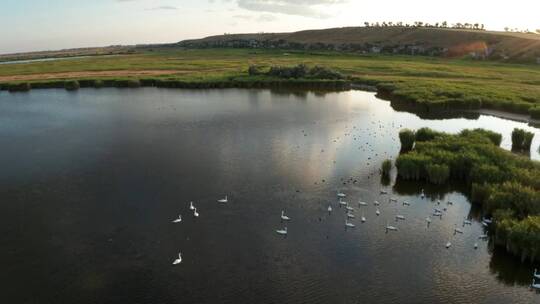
(349, 215)
(192, 207)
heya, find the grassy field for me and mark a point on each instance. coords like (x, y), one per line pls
(430, 84)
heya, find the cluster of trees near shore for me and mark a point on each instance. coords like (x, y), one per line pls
(299, 71)
(507, 185)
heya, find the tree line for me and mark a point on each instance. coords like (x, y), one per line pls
(443, 24)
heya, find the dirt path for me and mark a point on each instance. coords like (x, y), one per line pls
(63, 75)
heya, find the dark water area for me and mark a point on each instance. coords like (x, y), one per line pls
(92, 179)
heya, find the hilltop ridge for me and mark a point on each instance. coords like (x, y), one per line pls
(448, 42)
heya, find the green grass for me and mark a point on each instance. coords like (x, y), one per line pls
(430, 84)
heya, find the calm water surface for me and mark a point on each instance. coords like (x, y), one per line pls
(91, 181)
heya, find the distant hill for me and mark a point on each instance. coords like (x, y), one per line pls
(520, 47)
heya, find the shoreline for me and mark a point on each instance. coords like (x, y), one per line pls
(339, 85)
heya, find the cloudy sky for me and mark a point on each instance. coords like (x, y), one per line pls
(28, 25)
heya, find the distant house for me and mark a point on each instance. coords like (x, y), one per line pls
(375, 49)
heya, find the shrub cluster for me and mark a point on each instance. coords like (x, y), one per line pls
(521, 139)
(406, 137)
(535, 112)
(19, 87)
(72, 85)
(386, 167)
(296, 72)
(507, 185)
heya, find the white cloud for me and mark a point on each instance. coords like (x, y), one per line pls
(306, 8)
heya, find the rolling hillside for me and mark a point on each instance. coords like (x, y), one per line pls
(398, 40)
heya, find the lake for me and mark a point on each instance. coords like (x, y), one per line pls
(91, 181)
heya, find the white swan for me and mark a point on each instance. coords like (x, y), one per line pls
(349, 225)
(360, 203)
(400, 217)
(223, 200)
(377, 212)
(195, 213)
(390, 228)
(178, 260)
(363, 218)
(282, 231)
(466, 222)
(342, 202)
(191, 207)
(349, 208)
(284, 217)
(437, 213)
(535, 285)
(393, 199)
(376, 203)
(178, 220)
(405, 203)
(329, 208)
(475, 245)
(428, 220)
(448, 244)
(483, 236)
(350, 215)
(536, 274)
(384, 192)
(341, 194)
(450, 203)
(422, 195)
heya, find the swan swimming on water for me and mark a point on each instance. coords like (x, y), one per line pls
(282, 231)
(400, 217)
(341, 194)
(448, 244)
(363, 218)
(329, 208)
(342, 202)
(428, 220)
(535, 285)
(178, 260)
(376, 203)
(466, 222)
(475, 245)
(195, 213)
(377, 212)
(405, 203)
(284, 217)
(348, 225)
(350, 215)
(536, 274)
(349, 208)
(390, 228)
(223, 200)
(178, 220)
(191, 207)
